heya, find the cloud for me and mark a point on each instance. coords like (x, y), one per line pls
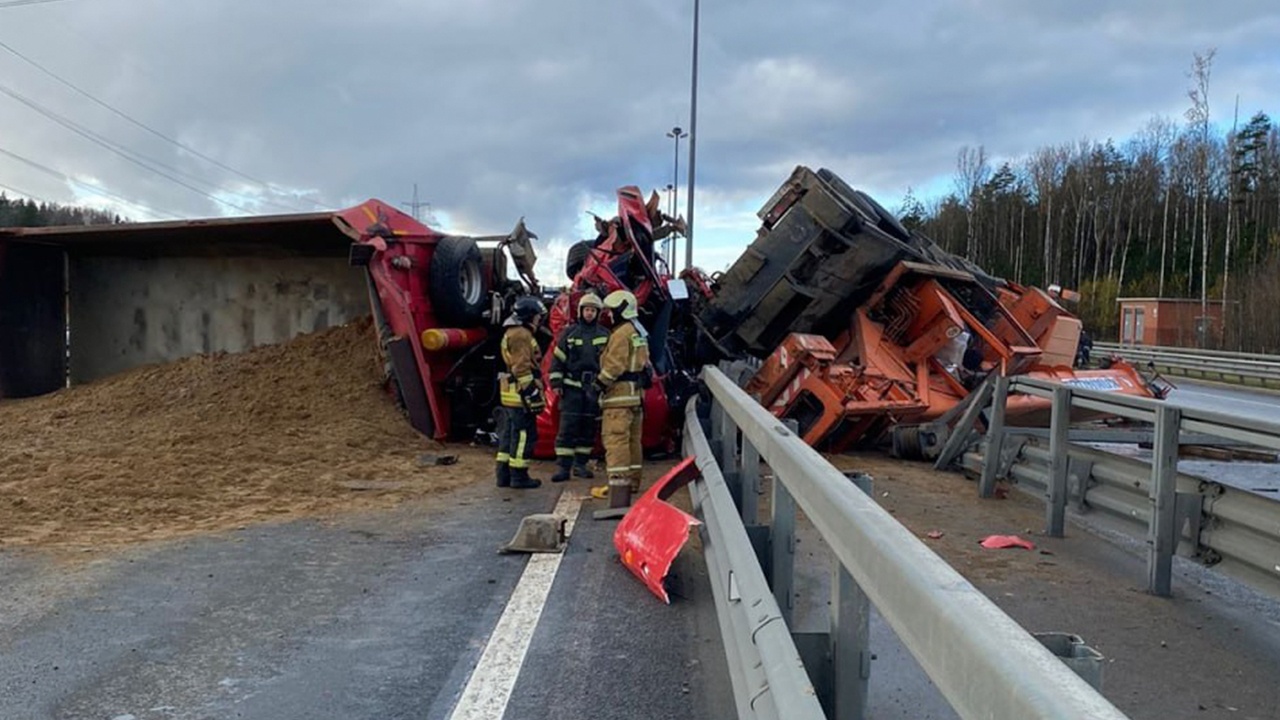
(505, 109)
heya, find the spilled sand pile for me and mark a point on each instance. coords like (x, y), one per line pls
(213, 441)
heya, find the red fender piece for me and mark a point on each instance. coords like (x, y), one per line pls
(653, 531)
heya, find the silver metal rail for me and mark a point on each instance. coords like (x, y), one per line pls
(1234, 530)
(1241, 367)
(983, 662)
(768, 675)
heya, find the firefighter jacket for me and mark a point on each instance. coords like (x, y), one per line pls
(624, 366)
(518, 387)
(576, 359)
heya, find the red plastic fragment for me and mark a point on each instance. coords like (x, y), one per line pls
(997, 542)
(653, 531)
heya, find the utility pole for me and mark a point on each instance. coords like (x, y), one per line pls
(693, 139)
(415, 207)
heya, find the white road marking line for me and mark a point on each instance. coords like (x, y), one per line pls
(489, 688)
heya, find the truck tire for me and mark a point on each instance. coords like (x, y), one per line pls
(576, 258)
(887, 222)
(458, 289)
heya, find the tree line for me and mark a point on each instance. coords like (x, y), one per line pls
(21, 212)
(1179, 210)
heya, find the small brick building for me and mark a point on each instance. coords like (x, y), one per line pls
(1173, 322)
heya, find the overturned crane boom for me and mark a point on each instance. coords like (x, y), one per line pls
(863, 324)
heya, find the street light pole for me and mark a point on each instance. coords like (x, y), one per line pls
(693, 139)
(669, 245)
(677, 134)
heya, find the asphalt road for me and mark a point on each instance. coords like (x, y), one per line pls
(1243, 402)
(1257, 477)
(378, 615)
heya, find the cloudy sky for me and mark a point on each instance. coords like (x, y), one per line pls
(499, 109)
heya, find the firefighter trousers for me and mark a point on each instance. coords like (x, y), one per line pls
(621, 432)
(577, 432)
(517, 434)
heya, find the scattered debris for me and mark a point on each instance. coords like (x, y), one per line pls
(429, 459)
(1212, 452)
(373, 484)
(538, 533)
(999, 542)
(934, 534)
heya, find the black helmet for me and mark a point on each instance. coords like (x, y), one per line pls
(527, 308)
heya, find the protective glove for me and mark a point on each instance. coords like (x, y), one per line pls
(531, 394)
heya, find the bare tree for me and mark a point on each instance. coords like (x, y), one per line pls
(972, 170)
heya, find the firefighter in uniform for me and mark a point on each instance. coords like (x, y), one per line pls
(520, 393)
(624, 375)
(574, 366)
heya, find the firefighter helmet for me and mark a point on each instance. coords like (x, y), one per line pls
(589, 300)
(527, 308)
(623, 304)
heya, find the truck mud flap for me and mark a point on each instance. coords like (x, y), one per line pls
(404, 372)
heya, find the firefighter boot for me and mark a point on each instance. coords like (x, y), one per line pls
(503, 474)
(564, 464)
(580, 468)
(520, 479)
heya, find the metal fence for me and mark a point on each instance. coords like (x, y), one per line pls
(1236, 531)
(1240, 367)
(983, 662)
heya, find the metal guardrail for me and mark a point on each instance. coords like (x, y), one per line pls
(1200, 363)
(983, 662)
(1236, 531)
(764, 665)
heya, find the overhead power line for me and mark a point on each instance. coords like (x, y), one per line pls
(24, 193)
(78, 128)
(16, 3)
(114, 148)
(138, 123)
(86, 186)
(137, 157)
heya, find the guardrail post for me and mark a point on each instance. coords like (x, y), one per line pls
(995, 439)
(782, 541)
(1162, 533)
(718, 419)
(850, 636)
(1056, 506)
(749, 475)
(728, 442)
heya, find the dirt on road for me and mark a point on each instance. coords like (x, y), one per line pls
(1203, 653)
(215, 441)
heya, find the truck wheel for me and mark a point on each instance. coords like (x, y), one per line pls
(457, 289)
(576, 258)
(887, 222)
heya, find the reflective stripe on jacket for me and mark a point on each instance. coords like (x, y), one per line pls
(577, 353)
(624, 360)
(521, 354)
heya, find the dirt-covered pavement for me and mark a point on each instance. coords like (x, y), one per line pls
(1210, 651)
(213, 442)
